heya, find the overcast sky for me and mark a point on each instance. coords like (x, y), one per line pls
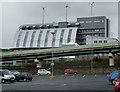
(15, 14)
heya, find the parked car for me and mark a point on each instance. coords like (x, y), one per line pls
(6, 76)
(25, 76)
(117, 85)
(70, 71)
(43, 72)
(113, 76)
(14, 72)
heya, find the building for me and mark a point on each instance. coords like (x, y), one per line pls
(56, 34)
(99, 40)
(91, 26)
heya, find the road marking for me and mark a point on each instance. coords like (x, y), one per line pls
(72, 76)
(63, 84)
(84, 75)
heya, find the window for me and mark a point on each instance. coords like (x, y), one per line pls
(102, 20)
(46, 38)
(25, 39)
(97, 21)
(18, 40)
(53, 39)
(61, 37)
(88, 21)
(96, 30)
(96, 35)
(100, 41)
(105, 41)
(95, 41)
(39, 38)
(32, 38)
(81, 21)
(80, 31)
(69, 35)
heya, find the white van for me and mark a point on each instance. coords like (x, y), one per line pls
(6, 76)
(43, 72)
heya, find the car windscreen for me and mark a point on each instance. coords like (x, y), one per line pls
(0, 73)
(25, 74)
(6, 72)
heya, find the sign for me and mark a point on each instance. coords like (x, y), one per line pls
(52, 64)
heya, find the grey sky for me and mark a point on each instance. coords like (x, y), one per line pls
(15, 14)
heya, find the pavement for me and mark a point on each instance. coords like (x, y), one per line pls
(62, 82)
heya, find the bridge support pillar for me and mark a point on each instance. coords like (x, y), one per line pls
(38, 63)
(111, 59)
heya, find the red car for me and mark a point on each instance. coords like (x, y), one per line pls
(70, 71)
(117, 85)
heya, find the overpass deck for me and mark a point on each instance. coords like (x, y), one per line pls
(114, 47)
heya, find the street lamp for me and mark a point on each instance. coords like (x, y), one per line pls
(66, 11)
(91, 65)
(52, 64)
(43, 8)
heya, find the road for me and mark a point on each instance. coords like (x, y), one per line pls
(62, 82)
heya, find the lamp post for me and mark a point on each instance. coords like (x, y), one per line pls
(91, 65)
(43, 8)
(52, 64)
(66, 11)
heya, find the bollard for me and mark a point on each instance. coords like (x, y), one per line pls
(52, 77)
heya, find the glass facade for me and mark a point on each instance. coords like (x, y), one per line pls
(61, 37)
(25, 39)
(32, 38)
(46, 38)
(69, 35)
(39, 38)
(53, 38)
(18, 40)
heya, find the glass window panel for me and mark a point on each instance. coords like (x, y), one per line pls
(25, 39)
(69, 36)
(18, 40)
(53, 38)
(61, 37)
(32, 38)
(39, 38)
(46, 38)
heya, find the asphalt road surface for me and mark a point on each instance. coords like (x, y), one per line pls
(62, 82)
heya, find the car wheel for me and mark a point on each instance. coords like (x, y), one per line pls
(3, 81)
(12, 81)
(30, 80)
(118, 90)
(113, 82)
(17, 80)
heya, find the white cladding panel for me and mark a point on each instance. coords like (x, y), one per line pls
(22, 39)
(49, 37)
(65, 37)
(29, 38)
(49, 43)
(15, 38)
(36, 38)
(57, 39)
(43, 38)
(73, 36)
